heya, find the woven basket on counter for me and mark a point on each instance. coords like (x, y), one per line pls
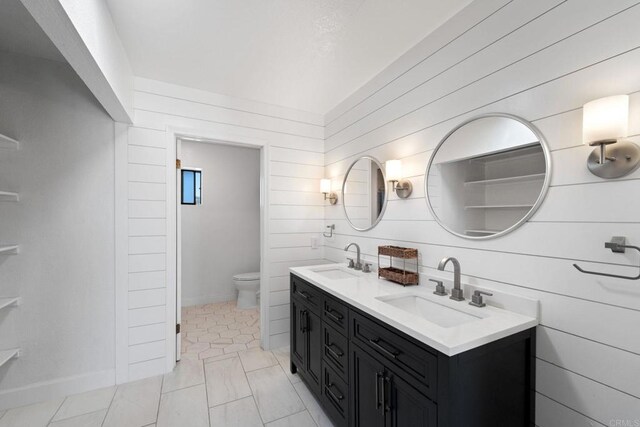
(399, 275)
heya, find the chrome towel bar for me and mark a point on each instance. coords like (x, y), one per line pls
(617, 245)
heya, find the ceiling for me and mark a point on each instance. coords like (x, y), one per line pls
(19, 33)
(303, 54)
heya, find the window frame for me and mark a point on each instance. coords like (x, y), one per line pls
(182, 186)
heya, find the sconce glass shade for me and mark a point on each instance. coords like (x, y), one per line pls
(605, 119)
(325, 185)
(393, 170)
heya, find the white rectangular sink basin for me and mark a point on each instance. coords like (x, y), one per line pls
(335, 274)
(439, 314)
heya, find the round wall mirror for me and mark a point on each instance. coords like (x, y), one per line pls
(488, 176)
(364, 194)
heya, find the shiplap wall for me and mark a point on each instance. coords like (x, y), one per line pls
(540, 60)
(295, 147)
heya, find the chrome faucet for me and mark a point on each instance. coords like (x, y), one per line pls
(456, 292)
(358, 264)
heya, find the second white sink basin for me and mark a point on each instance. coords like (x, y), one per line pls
(335, 274)
(439, 314)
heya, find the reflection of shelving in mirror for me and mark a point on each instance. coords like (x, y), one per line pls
(499, 207)
(487, 176)
(8, 196)
(8, 143)
(481, 232)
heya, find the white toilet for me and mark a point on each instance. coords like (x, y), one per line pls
(248, 285)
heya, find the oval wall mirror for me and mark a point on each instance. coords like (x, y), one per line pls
(488, 176)
(364, 193)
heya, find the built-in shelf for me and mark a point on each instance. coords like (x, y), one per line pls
(6, 355)
(9, 301)
(500, 207)
(520, 178)
(8, 196)
(8, 143)
(8, 249)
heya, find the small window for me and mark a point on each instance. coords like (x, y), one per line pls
(191, 187)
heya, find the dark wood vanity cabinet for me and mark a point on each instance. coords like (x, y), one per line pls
(368, 374)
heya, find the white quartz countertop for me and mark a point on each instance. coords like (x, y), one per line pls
(363, 290)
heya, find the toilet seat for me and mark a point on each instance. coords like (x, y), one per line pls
(247, 276)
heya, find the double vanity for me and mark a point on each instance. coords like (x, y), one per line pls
(378, 354)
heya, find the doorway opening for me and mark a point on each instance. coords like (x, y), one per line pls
(219, 241)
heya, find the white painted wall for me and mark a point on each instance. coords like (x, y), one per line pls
(220, 237)
(64, 224)
(145, 165)
(540, 60)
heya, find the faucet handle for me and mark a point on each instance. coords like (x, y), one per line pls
(476, 298)
(440, 290)
(351, 264)
(366, 268)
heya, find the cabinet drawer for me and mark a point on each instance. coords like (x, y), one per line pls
(335, 350)
(336, 314)
(307, 294)
(418, 366)
(335, 396)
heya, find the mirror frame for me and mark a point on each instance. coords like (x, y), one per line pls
(386, 193)
(539, 200)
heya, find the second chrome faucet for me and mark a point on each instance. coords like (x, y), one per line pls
(456, 292)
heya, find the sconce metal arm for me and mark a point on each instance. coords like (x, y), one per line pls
(617, 245)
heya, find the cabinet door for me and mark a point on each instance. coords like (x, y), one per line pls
(405, 406)
(313, 365)
(298, 335)
(367, 382)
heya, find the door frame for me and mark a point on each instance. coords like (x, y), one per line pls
(174, 282)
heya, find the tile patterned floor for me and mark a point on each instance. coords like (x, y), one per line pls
(218, 329)
(230, 383)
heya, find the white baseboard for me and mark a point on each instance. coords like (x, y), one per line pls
(208, 299)
(47, 390)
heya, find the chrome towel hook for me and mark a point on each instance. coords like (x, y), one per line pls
(617, 245)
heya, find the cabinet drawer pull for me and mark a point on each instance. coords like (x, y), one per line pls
(304, 295)
(327, 387)
(337, 354)
(379, 376)
(386, 391)
(391, 352)
(337, 317)
(303, 321)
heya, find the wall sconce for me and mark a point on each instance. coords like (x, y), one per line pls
(402, 187)
(604, 122)
(325, 188)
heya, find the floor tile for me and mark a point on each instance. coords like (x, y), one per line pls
(301, 419)
(234, 348)
(221, 357)
(35, 415)
(317, 413)
(184, 407)
(239, 413)
(135, 404)
(93, 419)
(226, 381)
(186, 374)
(210, 353)
(274, 394)
(257, 358)
(282, 354)
(85, 403)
